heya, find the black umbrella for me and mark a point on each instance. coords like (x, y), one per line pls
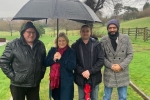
(57, 9)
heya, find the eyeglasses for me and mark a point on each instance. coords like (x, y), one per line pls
(30, 32)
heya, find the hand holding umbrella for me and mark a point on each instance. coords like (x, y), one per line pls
(57, 56)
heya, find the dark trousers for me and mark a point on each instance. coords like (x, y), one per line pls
(19, 93)
(56, 94)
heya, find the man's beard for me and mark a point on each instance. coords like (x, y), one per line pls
(112, 33)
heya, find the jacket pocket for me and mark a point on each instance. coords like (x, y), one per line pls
(79, 80)
(20, 78)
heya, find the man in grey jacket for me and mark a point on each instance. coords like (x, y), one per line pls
(118, 55)
(22, 62)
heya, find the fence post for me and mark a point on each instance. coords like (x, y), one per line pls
(129, 31)
(144, 36)
(136, 33)
(148, 34)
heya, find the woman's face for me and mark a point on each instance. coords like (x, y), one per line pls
(62, 42)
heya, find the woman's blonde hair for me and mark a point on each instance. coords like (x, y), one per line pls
(61, 34)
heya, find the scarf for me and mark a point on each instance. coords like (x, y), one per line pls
(113, 39)
(55, 71)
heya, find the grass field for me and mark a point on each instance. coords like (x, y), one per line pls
(139, 67)
(5, 94)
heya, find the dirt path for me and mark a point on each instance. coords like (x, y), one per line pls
(11, 98)
(2, 43)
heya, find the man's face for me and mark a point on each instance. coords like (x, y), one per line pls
(85, 33)
(29, 35)
(112, 29)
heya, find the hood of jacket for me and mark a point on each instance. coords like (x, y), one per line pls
(29, 25)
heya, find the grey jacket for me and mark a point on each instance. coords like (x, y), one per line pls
(122, 56)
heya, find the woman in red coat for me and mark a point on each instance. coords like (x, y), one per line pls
(62, 61)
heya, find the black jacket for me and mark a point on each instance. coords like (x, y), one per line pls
(97, 59)
(23, 65)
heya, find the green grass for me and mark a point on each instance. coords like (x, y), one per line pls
(139, 23)
(139, 67)
(4, 82)
(49, 41)
(131, 94)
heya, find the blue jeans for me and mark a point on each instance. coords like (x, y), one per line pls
(122, 92)
(94, 93)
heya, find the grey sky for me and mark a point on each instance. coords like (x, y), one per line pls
(8, 8)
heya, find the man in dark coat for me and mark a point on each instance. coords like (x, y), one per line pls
(90, 57)
(22, 62)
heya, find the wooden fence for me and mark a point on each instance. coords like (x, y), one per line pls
(144, 32)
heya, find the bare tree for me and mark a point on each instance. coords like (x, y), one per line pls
(118, 8)
(10, 26)
(146, 5)
(69, 25)
(144, 13)
(95, 5)
(52, 23)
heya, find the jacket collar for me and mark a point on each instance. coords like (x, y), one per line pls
(92, 40)
(119, 44)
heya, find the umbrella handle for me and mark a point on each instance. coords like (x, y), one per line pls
(57, 32)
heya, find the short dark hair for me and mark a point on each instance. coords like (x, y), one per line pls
(85, 25)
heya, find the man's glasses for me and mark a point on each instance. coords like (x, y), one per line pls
(30, 32)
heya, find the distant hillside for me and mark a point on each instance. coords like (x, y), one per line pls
(139, 23)
(142, 22)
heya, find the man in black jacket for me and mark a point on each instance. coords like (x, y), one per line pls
(22, 63)
(90, 57)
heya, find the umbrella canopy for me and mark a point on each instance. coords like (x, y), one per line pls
(57, 9)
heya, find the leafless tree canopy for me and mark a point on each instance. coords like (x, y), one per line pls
(117, 9)
(95, 5)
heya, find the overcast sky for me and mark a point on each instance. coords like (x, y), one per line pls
(8, 8)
